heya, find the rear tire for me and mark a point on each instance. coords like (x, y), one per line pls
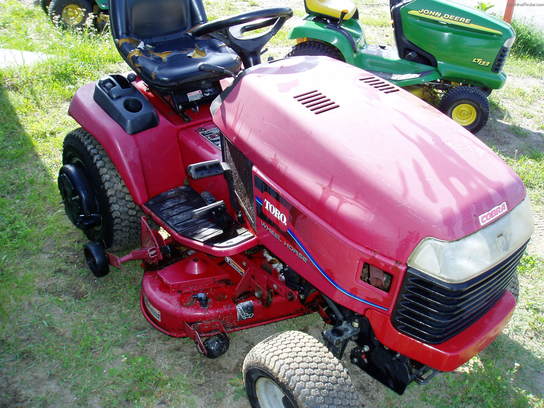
(316, 48)
(119, 227)
(293, 369)
(468, 106)
(70, 14)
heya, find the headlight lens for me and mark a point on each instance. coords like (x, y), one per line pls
(508, 43)
(459, 261)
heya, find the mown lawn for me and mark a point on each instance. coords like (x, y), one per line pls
(67, 339)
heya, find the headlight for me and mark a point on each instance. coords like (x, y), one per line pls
(508, 43)
(459, 261)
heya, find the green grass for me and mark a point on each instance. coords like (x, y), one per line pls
(67, 339)
(529, 40)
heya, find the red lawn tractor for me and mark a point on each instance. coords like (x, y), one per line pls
(279, 189)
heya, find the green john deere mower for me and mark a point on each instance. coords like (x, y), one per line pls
(448, 54)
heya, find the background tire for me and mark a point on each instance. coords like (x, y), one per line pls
(101, 21)
(120, 216)
(70, 14)
(44, 4)
(467, 105)
(293, 369)
(316, 48)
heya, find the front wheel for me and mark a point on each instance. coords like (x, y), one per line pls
(294, 370)
(468, 106)
(316, 48)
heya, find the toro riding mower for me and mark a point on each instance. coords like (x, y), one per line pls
(448, 54)
(266, 191)
(75, 14)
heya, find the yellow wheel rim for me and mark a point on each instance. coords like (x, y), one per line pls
(73, 15)
(465, 114)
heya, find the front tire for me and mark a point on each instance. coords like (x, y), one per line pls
(468, 106)
(119, 226)
(294, 370)
(70, 14)
(316, 48)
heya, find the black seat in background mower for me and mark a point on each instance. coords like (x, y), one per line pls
(154, 39)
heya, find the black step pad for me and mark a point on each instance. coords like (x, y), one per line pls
(176, 207)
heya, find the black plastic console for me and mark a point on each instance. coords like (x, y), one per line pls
(125, 104)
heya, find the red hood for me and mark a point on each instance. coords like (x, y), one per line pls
(383, 169)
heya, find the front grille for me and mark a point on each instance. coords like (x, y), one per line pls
(500, 60)
(434, 311)
(241, 169)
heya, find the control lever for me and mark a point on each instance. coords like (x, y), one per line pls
(215, 69)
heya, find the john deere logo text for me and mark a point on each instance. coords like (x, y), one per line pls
(440, 15)
(451, 19)
(492, 214)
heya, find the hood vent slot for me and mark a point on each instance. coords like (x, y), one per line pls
(316, 102)
(379, 84)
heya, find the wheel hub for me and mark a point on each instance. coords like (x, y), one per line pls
(78, 199)
(72, 14)
(465, 114)
(71, 199)
(270, 395)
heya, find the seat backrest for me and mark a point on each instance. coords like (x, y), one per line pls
(154, 19)
(331, 8)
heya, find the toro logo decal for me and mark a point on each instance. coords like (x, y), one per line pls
(275, 211)
(493, 214)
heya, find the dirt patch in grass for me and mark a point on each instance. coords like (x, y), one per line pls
(11, 395)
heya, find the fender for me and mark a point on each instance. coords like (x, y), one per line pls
(103, 4)
(162, 168)
(457, 73)
(319, 31)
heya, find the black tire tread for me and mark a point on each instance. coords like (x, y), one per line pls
(315, 48)
(306, 368)
(124, 229)
(468, 94)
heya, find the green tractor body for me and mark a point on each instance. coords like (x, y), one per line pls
(103, 4)
(438, 43)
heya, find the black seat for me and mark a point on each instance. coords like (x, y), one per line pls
(154, 38)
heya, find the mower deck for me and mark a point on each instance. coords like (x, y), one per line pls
(201, 295)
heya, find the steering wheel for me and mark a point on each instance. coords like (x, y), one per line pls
(230, 30)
